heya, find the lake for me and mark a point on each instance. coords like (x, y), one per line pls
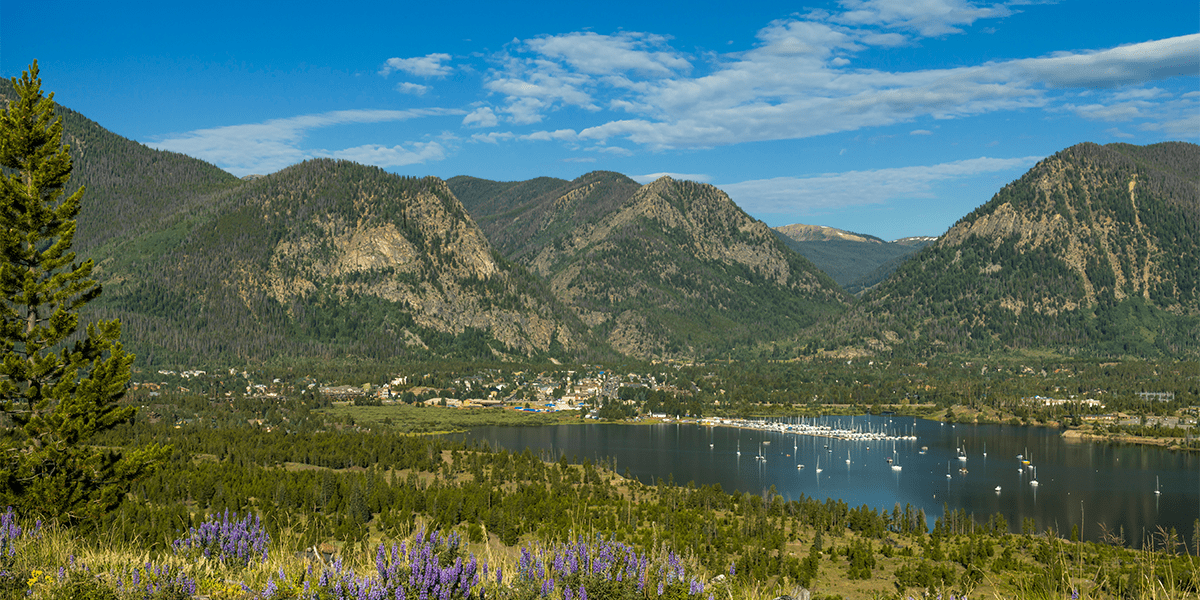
(1078, 482)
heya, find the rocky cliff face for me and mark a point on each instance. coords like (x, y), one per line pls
(669, 269)
(1105, 219)
(1096, 246)
(418, 250)
(330, 254)
(819, 233)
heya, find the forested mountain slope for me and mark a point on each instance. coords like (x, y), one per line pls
(131, 189)
(326, 258)
(669, 269)
(520, 218)
(1095, 249)
(855, 261)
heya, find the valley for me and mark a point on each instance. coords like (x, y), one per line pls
(343, 382)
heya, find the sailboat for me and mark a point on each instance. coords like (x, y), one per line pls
(997, 489)
(896, 463)
(961, 455)
(985, 449)
(818, 464)
(1034, 481)
(1157, 491)
(739, 448)
(947, 469)
(847, 457)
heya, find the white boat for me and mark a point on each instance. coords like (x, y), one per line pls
(997, 489)
(1034, 481)
(847, 457)
(896, 463)
(1157, 491)
(818, 464)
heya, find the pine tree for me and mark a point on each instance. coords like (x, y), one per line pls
(57, 387)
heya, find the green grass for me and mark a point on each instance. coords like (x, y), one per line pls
(435, 419)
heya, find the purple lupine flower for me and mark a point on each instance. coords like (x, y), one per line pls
(227, 539)
(582, 592)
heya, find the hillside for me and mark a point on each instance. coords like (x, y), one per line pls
(326, 258)
(321, 259)
(671, 268)
(131, 189)
(1094, 249)
(855, 261)
(520, 218)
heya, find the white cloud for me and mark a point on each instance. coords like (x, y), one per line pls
(395, 156)
(699, 177)
(1101, 69)
(597, 54)
(481, 117)
(415, 89)
(800, 79)
(494, 137)
(562, 135)
(1184, 128)
(927, 17)
(272, 145)
(1115, 132)
(429, 65)
(611, 150)
(920, 132)
(1116, 112)
(851, 188)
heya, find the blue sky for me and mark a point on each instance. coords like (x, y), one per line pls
(887, 117)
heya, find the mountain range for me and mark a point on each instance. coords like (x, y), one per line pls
(855, 261)
(1094, 250)
(671, 268)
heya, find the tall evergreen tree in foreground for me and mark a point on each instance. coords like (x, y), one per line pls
(57, 388)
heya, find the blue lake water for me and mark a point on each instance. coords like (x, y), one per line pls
(1079, 482)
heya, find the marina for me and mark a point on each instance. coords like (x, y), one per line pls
(1032, 476)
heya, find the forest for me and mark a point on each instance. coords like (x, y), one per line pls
(163, 484)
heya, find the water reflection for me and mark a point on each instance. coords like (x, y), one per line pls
(1114, 484)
